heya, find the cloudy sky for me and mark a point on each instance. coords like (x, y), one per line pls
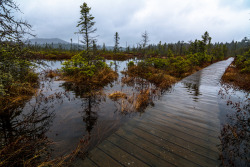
(164, 20)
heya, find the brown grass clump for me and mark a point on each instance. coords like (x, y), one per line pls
(128, 80)
(135, 102)
(104, 76)
(162, 80)
(159, 77)
(233, 76)
(51, 73)
(143, 99)
(18, 93)
(117, 95)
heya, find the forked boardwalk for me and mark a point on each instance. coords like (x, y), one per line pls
(181, 130)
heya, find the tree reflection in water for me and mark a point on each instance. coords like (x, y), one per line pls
(235, 131)
(22, 133)
(142, 94)
(91, 98)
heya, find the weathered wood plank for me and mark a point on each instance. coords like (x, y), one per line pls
(212, 123)
(157, 149)
(191, 109)
(166, 132)
(143, 154)
(181, 123)
(193, 114)
(193, 121)
(183, 129)
(102, 159)
(120, 155)
(164, 148)
(86, 163)
(183, 139)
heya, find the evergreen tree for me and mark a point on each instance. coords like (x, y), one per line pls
(86, 25)
(103, 47)
(116, 38)
(94, 47)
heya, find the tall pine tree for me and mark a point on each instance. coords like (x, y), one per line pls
(86, 25)
(116, 38)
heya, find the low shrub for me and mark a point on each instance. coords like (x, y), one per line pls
(85, 68)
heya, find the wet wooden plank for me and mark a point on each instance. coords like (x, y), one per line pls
(120, 155)
(192, 109)
(156, 149)
(182, 139)
(165, 131)
(86, 163)
(183, 129)
(170, 119)
(102, 159)
(213, 122)
(144, 155)
(175, 153)
(191, 120)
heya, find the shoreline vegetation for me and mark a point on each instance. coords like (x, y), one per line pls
(238, 73)
(87, 69)
(18, 80)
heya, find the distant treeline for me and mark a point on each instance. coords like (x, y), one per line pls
(161, 49)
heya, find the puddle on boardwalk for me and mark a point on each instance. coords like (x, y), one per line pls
(69, 115)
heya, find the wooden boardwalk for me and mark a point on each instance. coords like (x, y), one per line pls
(181, 130)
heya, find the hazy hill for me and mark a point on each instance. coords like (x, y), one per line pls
(41, 41)
(59, 43)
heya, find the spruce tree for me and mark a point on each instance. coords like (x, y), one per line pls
(86, 25)
(116, 38)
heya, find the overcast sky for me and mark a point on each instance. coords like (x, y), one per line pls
(164, 20)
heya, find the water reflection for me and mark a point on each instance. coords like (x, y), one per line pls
(91, 99)
(193, 83)
(142, 94)
(22, 135)
(235, 122)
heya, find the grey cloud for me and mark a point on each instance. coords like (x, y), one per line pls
(165, 20)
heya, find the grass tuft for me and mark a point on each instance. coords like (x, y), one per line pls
(117, 95)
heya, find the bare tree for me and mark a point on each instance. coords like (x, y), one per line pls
(11, 28)
(145, 39)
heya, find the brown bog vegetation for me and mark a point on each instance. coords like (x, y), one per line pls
(234, 77)
(84, 68)
(238, 73)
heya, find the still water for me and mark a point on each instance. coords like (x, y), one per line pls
(78, 114)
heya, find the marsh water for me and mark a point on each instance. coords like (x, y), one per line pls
(70, 114)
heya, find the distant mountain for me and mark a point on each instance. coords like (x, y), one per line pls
(41, 41)
(59, 43)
